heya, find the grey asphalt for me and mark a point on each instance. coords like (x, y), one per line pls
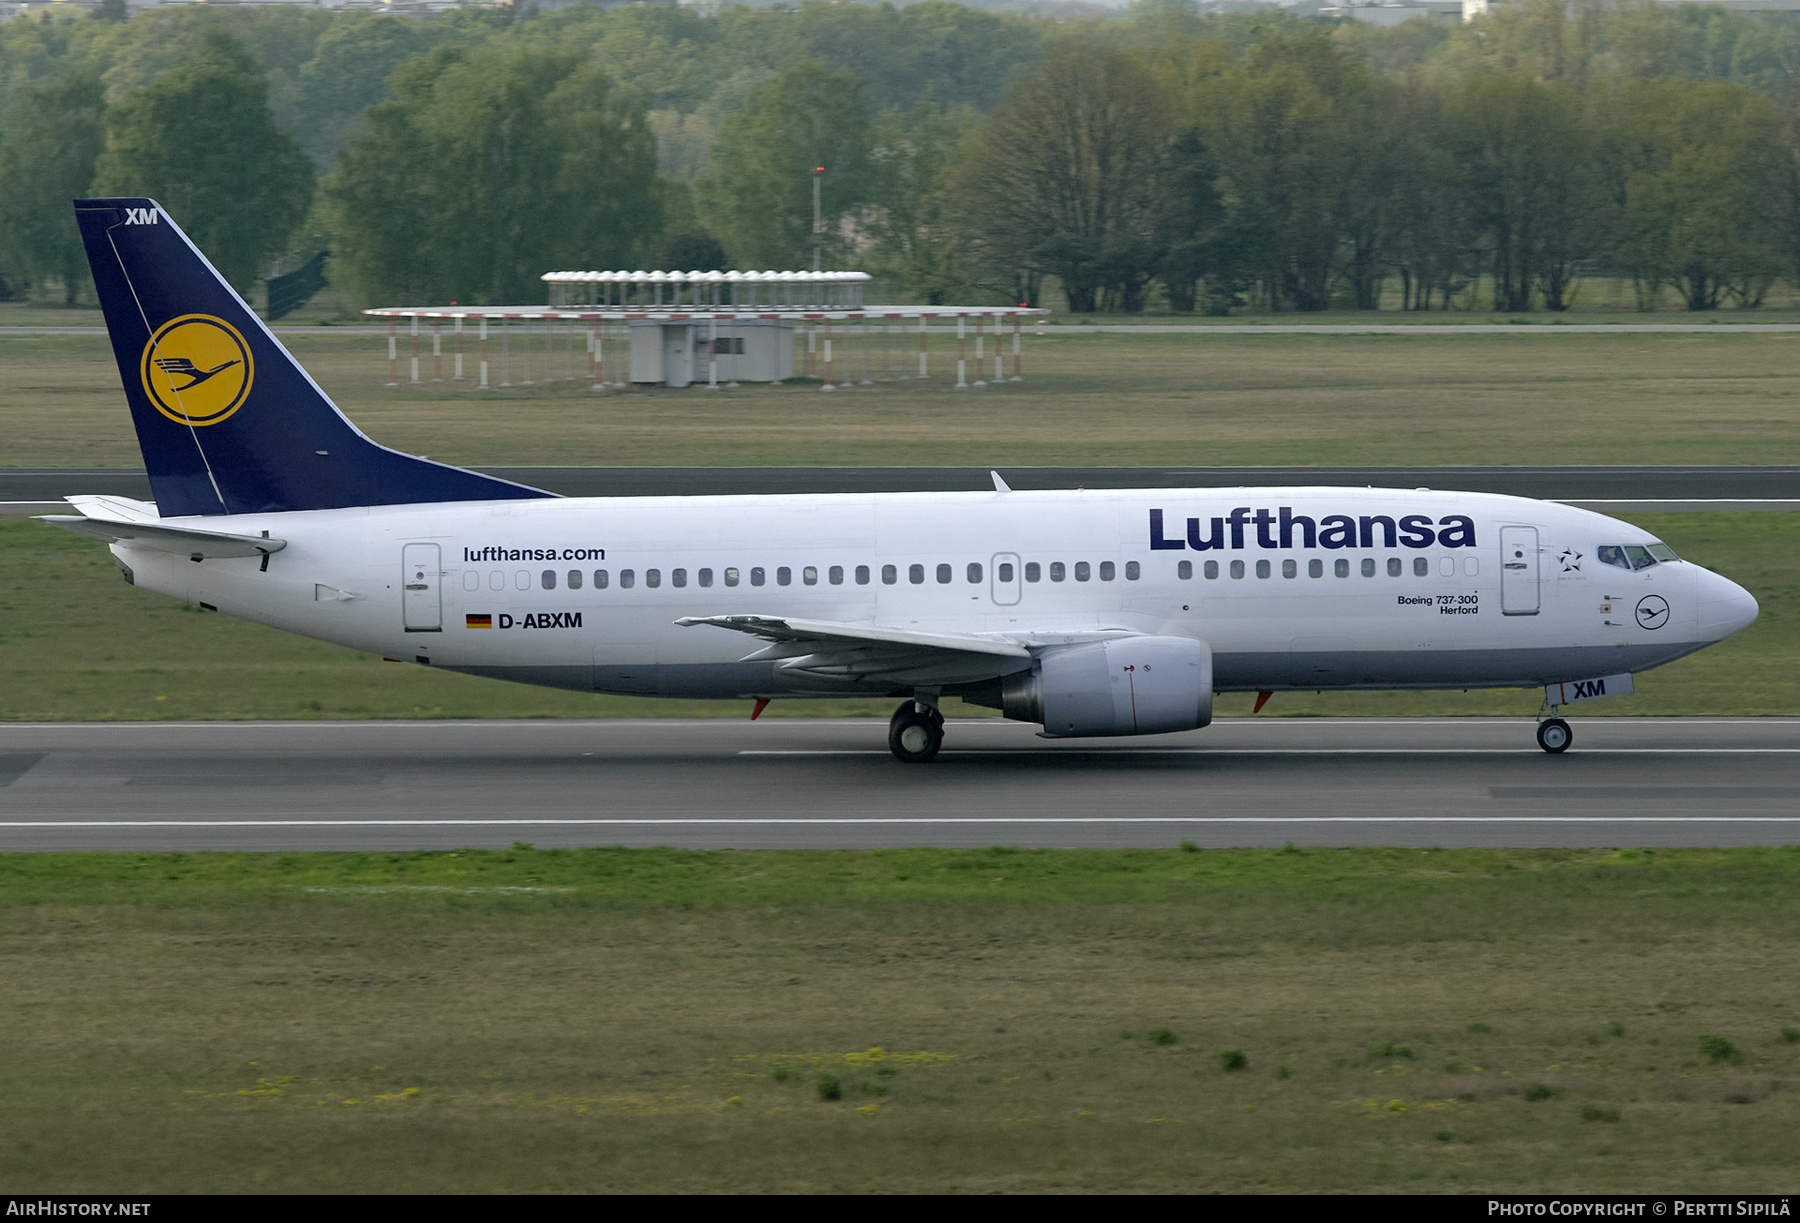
(1601, 486)
(792, 783)
(1522, 327)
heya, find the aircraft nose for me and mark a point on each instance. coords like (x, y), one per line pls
(1725, 607)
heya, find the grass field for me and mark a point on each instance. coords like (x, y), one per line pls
(1089, 399)
(614, 1020)
(77, 643)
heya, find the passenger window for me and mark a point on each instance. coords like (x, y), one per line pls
(810, 575)
(599, 579)
(496, 580)
(627, 579)
(1184, 570)
(1315, 568)
(1082, 571)
(706, 577)
(1471, 566)
(1368, 567)
(471, 580)
(522, 580)
(1032, 571)
(757, 576)
(1447, 566)
(574, 579)
(1262, 569)
(1057, 571)
(1393, 566)
(653, 578)
(943, 575)
(1132, 571)
(1107, 572)
(835, 575)
(547, 579)
(731, 576)
(862, 575)
(784, 576)
(678, 577)
(1237, 569)
(1341, 567)
(1290, 569)
(974, 574)
(1612, 554)
(889, 575)
(1421, 567)
(915, 574)
(1211, 570)
(1005, 572)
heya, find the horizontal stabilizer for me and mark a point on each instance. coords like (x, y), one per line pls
(182, 541)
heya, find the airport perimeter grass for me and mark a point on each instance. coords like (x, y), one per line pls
(1089, 398)
(77, 643)
(921, 1020)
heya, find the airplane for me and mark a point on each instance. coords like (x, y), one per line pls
(1088, 612)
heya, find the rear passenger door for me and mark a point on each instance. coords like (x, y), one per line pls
(421, 596)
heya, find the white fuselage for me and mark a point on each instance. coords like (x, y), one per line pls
(1368, 606)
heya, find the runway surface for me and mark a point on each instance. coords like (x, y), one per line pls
(781, 783)
(1523, 327)
(1618, 488)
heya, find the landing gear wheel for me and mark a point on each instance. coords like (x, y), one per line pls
(909, 707)
(1554, 735)
(915, 737)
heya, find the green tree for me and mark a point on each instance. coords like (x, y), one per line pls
(201, 140)
(759, 201)
(905, 220)
(49, 141)
(488, 169)
(1703, 174)
(1063, 179)
(1530, 165)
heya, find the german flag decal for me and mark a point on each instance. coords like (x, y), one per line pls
(486, 621)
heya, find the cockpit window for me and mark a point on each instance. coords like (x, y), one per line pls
(1635, 556)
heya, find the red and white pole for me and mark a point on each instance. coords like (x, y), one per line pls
(415, 351)
(828, 386)
(393, 357)
(437, 350)
(980, 360)
(962, 382)
(1018, 373)
(921, 345)
(484, 360)
(458, 359)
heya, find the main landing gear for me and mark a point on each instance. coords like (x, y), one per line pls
(915, 732)
(1554, 735)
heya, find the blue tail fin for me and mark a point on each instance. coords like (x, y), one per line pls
(229, 423)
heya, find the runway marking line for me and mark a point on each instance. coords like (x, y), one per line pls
(1290, 751)
(552, 821)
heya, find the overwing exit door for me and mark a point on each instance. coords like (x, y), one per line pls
(419, 586)
(1005, 571)
(1518, 571)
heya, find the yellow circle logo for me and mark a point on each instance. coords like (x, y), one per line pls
(197, 369)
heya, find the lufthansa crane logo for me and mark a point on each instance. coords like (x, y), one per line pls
(1653, 611)
(197, 369)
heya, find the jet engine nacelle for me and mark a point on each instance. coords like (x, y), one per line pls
(1130, 686)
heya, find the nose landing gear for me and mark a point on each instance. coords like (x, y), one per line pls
(915, 733)
(1554, 735)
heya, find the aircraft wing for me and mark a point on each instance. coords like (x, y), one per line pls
(131, 522)
(874, 653)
